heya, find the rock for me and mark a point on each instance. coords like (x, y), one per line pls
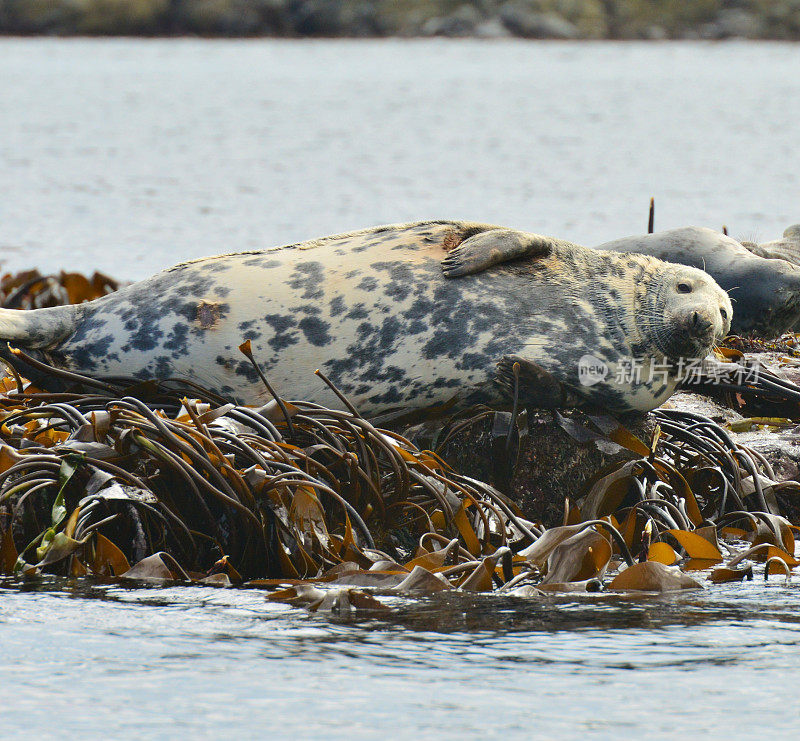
(556, 19)
(589, 17)
(781, 19)
(493, 28)
(654, 32)
(109, 17)
(557, 455)
(233, 17)
(462, 22)
(521, 20)
(736, 22)
(334, 18)
(549, 465)
(686, 401)
(633, 19)
(781, 448)
(41, 16)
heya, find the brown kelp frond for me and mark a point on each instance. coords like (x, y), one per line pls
(287, 490)
(32, 290)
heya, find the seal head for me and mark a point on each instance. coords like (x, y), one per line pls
(765, 292)
(613, 320)
(684, 312)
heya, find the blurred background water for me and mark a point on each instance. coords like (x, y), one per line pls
(128, 156)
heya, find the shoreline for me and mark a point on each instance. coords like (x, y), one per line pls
(612, 20)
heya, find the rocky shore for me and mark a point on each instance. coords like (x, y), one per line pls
(531, 19)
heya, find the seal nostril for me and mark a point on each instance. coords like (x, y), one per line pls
(695, 319)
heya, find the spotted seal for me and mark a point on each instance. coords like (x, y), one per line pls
(765, 292)
(399, 317)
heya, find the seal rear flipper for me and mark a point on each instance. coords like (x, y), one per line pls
(493, 247)
(38, 328)
(538, 388)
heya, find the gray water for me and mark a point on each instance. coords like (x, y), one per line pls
(127, 156)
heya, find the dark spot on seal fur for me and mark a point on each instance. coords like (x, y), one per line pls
(245, 368)
(308, 276)
(336, 305)
(178, 340)
(359, 311)
(390, 396)
(389, 332)
(368, 284)
(316, 331)
(284, 333)
(260, 261)
(90, 354)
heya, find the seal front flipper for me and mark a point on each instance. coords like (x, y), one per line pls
(491, 248)
(537, 388)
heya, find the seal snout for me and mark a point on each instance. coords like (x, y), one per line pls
(702, 323)
(702, 326)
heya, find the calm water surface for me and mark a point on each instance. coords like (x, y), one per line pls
(128, 156)
(131, 155)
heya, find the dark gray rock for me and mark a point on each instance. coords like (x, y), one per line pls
(521, 20)
(492, 28)
(462, 23)
(734, 23)
(232, 17)
(40, 16)
(553, 460)
(334, 18)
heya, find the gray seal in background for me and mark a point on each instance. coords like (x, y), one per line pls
(787, 248)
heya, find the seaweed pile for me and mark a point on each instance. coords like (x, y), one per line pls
(31, 289)
(167, 481)
(295, 495)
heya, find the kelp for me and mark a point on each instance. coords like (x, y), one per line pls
(164, 481)
(741, 379)
(30, 289)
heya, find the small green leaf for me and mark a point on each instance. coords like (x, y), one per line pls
(69, 465)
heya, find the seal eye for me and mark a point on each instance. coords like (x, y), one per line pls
(723, 313)
(684, 288)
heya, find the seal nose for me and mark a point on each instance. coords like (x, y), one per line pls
(700, 324)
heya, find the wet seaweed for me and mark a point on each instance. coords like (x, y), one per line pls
(300, 498)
